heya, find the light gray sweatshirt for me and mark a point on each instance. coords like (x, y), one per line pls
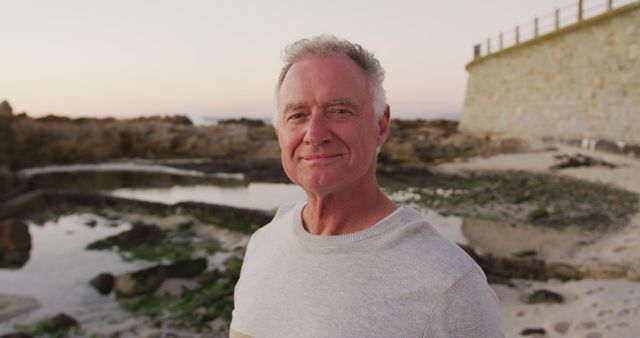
(398, 278)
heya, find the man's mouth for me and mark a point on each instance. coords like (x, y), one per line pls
(319, 156)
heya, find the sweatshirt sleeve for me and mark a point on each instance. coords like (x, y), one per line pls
(469, 308)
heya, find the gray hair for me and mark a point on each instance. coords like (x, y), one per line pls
(329, 44)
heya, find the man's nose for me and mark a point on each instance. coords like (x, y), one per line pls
(318, 130)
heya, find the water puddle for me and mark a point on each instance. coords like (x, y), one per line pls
(58, 271)
(265, 196)
(130, 166)
(168, 186)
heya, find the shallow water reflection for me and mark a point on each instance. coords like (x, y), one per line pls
(265, 196)
(504, 239)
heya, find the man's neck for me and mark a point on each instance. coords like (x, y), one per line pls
(349, 211)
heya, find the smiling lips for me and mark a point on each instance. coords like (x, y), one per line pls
(320, 157)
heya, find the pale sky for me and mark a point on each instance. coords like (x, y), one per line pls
(221, 58)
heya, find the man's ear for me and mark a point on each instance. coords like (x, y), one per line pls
(277, 131)
(384, 125)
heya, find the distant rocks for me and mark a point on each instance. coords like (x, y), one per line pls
(243, 121)
(5, 109)
(420, 142)
(61, 140)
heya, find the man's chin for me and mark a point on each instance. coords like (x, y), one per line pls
(321, 184)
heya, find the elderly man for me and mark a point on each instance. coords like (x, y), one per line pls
(348, 261)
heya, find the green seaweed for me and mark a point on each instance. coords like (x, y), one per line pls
(195, 308)
(538, 213)
(172, 245)
(48, 328)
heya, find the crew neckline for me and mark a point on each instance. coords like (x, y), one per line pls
(382, 226)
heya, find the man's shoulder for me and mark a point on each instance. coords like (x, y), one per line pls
(281, 223)
(433, 255)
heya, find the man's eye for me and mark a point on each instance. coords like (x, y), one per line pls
(341, 111)
(296, 116)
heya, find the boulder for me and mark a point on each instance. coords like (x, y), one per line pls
(140, 282)
(56, 326)
(501, 270)
(189, 268)
(543, 296)
(11, 184)
(533, 332)
(63, 322)
(103, 283)
(579, 160)
(139, 235)
(15, 243)
(148, 280)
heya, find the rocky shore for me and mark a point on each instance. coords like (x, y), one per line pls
(555, 228)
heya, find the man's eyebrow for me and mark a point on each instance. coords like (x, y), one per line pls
(343, 102)
(293, 106)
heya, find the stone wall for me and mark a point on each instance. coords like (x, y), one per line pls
(582, 81)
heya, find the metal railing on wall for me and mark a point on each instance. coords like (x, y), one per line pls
(548, 23)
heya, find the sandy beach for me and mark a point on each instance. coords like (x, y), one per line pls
(604, 307)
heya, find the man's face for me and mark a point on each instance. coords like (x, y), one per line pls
(325, 125)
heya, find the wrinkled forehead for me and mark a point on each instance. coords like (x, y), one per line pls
(326, 78)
